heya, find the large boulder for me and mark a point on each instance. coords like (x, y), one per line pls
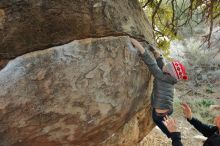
(29, 25)
(86, 92)
(74, 78)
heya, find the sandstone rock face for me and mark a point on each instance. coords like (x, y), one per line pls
(87, 92)
(29, 25)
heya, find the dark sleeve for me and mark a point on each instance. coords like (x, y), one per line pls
(160, 62)
(154, 68)
(206, 130)
(176, 139)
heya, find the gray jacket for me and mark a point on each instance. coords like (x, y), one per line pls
(163, 88)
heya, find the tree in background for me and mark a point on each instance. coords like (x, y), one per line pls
(174, 19)
(189, 31)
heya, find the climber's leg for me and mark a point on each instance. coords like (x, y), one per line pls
(158, 119)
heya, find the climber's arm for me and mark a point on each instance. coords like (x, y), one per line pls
(159, 58)
(152, 64)
(157, 55)
(149, 61)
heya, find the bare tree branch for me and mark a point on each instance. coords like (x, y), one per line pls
(191, 8)
(211, 23)
(154, 13)
(183, 14)
(217, 15)
(159, 32)
(173, 16)
(149, 1)
(181, 7)
(165, 25)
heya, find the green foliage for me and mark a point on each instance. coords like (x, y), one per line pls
(170, 18)
(210, 89)
(164, 45)
(163, 34)
(204, 103)
(199, 106)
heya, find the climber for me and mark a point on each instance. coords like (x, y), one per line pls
(166, 76)
(210, 131)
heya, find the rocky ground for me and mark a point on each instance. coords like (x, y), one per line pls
(190, 136)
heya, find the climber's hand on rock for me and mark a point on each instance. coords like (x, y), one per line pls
(156, 54)
(170, 123)
(187, 111)
(137, 45)
(153, 49)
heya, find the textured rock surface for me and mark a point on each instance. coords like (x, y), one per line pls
(29, 25)
(87, 92)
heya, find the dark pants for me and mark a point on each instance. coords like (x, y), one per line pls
(158, 119)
